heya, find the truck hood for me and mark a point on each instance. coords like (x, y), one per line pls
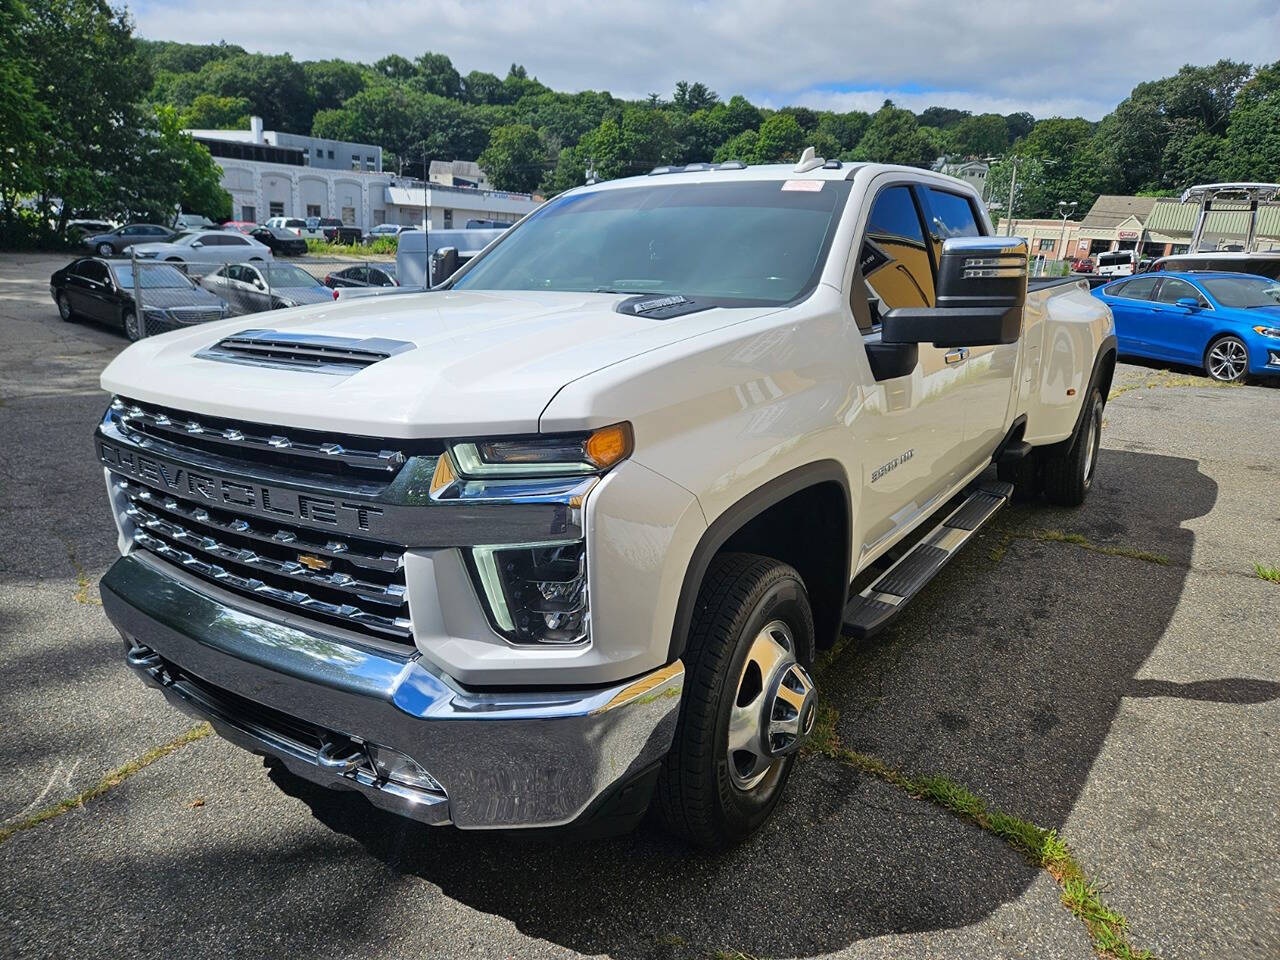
(481, 362)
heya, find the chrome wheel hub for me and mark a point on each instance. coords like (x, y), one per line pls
(1227, 360)
(773, 709)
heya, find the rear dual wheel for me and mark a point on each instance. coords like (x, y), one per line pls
(748, 701)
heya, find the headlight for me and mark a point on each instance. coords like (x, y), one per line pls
(537, 592)
(567, 455)
(1268, 331)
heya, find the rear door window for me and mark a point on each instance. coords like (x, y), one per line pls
(1172, 290)
(951, 215)
(1140, 289)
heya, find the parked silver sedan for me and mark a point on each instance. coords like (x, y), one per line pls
(252, 287)
(203, 250)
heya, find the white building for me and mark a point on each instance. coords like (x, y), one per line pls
(270, 174)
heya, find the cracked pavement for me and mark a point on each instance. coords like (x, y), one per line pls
(1131, 706)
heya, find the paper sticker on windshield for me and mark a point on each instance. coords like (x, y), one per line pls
(808, 186)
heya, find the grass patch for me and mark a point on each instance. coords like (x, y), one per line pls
(1077, 540)
(1167, 378)
(112, 779)
(1107, 929)
(1266, 572)
(381, 247)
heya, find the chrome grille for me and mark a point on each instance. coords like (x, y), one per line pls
(196, 314)
(306, 447)
(354, 583)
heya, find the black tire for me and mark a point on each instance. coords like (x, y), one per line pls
(1227, 359)
(1068, 468)
(173, 260)
(698, 797)
(106, 250)
(129, 325)
(64, 308)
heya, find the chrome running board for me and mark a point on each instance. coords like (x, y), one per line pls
(873, 609)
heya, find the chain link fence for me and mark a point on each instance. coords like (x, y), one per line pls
(173, 294)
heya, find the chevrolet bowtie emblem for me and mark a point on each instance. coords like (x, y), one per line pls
(312, 562)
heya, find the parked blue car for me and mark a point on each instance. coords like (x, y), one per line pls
(1227, 323)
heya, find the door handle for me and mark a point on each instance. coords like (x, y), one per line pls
(959, 355)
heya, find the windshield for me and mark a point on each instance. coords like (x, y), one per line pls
(287, 275)
(184, 237)
(739, 243)
(1244, 291)
(1110, 259)
(154, 277)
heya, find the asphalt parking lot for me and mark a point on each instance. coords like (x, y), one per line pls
(1111, 673)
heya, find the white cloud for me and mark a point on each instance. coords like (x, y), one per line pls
(1080, 58)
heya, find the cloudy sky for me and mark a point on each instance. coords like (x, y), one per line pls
(1070, 57)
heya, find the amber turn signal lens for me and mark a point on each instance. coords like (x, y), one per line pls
(444, 474)
(609, 445)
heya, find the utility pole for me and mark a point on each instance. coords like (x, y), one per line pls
(1013, 185)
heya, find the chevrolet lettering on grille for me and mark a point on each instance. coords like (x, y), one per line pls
(256, 498)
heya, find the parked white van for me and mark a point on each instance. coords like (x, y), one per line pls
(1117, 263)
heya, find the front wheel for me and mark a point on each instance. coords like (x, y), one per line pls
(1227, 360)
(1067, 472)
(132, 329)
(748, 703)
(106, 250)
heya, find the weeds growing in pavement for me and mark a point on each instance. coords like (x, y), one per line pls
(1267, 572)
(112, 779)
(1107, 929)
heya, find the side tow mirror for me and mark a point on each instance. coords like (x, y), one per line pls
(444, 264)
(981, 293)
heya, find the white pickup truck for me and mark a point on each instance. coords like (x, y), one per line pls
(564, 536)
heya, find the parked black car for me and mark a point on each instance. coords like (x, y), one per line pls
(382, 275)
(117, 241)
(280, 240)
(96, 289)
(335, 231)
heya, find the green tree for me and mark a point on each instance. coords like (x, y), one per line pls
(330, 83)
(515, 158)
(846, 128)
(741, 147)
(191, 178)
(483, 88)
(275, 87)
(210, 112)
(781, 138)
(692, 97)
(1252, 147)
(435, 73)
(893, 136)
(23, 118)
(91, 102)
(980, 136)
(395, 67)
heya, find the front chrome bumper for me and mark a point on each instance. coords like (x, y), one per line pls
(327, 708)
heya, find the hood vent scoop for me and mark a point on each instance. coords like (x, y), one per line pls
(303, 351)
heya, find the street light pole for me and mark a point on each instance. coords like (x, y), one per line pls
(1066, 210)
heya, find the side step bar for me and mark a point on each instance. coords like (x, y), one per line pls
(873, 609)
